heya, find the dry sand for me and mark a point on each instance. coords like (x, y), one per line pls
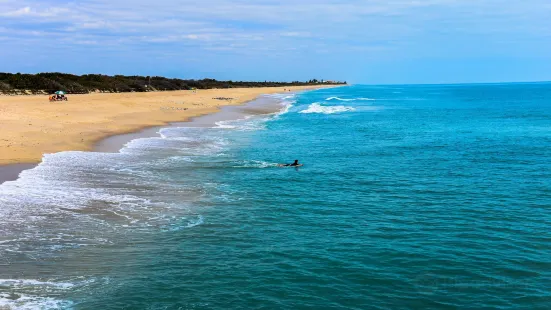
(31, 126)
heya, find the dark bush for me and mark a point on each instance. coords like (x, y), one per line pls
(51, 82)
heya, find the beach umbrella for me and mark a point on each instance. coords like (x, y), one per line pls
(60, 92)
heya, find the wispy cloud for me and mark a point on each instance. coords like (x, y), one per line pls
(366, 29)
(29, 12)
(374, 19)
(20, 12)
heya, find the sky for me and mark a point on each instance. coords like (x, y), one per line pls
(368, 41)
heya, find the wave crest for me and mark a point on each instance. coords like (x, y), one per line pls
(318, 108)
(254, 164)
(353, 99)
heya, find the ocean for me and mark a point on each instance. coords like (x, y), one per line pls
(410, 197)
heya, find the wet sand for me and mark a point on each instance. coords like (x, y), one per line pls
(261, 105)
(11, 172)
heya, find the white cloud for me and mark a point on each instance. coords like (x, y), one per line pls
(297, 34)
(20, 12)
(28, 11)
(86, 42)
(357, 25)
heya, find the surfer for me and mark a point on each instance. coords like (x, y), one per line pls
(295, 164)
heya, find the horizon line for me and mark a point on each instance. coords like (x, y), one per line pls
(453, 83)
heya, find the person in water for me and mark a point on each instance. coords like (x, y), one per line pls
(295, 164)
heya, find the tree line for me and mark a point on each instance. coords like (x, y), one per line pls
(16, 83)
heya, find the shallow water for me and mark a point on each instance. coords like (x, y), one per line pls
(411, 197)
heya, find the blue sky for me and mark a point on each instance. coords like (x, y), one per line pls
(369, 41)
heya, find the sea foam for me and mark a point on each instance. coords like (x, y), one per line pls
(353, 99)
(318, 108)
(19, 300)
(29, 302)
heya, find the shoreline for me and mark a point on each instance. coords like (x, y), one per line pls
(112, 143)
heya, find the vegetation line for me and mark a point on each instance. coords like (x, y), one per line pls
(48, 83)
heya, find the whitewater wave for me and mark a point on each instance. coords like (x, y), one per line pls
(21, 294)
(353, 99)
(224, 125)
(255, 122)
(318, 108)
(287, 105)
(186, 223)
(248, 123)
(31, 282)
(29, 302)
(254, 164)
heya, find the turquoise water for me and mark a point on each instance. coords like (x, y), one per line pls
(411, 197)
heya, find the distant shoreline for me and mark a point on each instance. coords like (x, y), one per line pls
(42, 93)
(49, 83)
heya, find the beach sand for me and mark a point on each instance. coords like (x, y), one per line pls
(31, 126)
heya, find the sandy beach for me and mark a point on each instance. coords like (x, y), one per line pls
(31, 126)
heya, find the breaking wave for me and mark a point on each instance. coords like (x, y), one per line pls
(318, 108)
(353, 99)
(254, 164)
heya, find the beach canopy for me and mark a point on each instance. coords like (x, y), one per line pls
(60, 92)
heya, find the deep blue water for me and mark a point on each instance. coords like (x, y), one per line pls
(410, 197)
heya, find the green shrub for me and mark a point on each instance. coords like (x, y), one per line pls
(73, 84)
